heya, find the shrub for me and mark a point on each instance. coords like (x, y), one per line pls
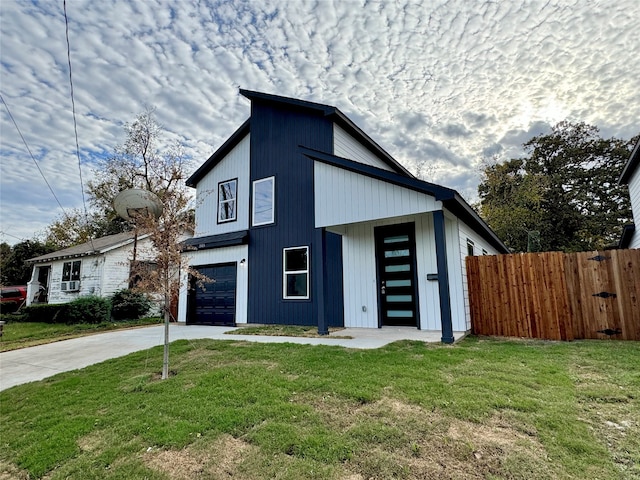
(47, 313)
(129, 305)
(89, 309)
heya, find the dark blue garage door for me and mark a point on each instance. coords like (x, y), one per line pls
(213, 303)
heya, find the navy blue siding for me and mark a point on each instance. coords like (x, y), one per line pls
(334, 297)
(276, 133)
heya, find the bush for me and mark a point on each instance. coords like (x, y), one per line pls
(129, 305)
(46, 313)
(90, 309)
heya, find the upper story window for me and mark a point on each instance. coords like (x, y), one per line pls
(263, 201)
(227, 195)
(470, 246)
(71, 271)
(296, 273)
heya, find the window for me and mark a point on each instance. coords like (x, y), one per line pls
(227, 194)
(71, 271)
(470, 248)
(263, 194)
(296, 272)
(484, 252)
(70, 276)
(142, 271)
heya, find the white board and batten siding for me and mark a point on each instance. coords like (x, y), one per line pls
(457, 234)
(217, 256)
(344, 197)
(234, 165)
(346, 146)
(359, 272)
(634, 194)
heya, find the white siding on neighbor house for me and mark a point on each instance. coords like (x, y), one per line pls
(344, 197)
(359, 272)
(213, 257)
(102, 274)
(346, 146)
(634, 194)
(479, 245)
(234, 165)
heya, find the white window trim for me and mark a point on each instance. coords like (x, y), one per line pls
(235, 200)
(253, 201)
(473, 248)
(293, 272)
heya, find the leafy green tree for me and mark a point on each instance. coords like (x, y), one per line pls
(15, 270)
(565, 191)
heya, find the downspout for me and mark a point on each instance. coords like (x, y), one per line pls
(443, 277)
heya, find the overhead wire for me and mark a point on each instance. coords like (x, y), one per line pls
(31, 155)
(75, 123)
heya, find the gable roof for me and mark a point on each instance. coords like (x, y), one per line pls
(631, 166)
(93, 247)
(450, 198)
(327, 110)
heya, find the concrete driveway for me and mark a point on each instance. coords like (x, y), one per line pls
(35, 363)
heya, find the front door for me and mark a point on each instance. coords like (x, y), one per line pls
(213, 302)
(397, 279)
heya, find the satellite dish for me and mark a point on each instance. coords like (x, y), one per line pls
(134, 202)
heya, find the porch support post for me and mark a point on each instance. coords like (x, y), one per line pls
(319, 253)
(443, 277)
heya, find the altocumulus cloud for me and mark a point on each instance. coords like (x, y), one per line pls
(441, 84)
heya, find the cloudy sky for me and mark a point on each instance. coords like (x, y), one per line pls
(442, 85)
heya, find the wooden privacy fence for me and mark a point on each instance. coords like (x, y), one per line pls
(556, 296)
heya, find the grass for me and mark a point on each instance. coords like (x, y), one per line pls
(482, 408)
(28, 334)
(284, 330)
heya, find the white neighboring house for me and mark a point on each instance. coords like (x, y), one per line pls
(631, 176)
(100, 267)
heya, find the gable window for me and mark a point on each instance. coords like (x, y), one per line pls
(263, 195)
(470, 248)
(227, 194)
(296, 273)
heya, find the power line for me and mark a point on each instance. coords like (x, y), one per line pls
(31, 154)
(75, 123)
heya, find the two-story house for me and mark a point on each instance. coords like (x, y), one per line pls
(301, 218)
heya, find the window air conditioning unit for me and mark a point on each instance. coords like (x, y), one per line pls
(72, 286)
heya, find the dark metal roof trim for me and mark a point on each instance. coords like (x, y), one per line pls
(219, 154)
(632, 164)
(217, 241)
(338, 117)
(449, 197)
(627, 235)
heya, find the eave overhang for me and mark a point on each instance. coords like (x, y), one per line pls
(451, 200)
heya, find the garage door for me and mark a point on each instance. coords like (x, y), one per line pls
(213, 303)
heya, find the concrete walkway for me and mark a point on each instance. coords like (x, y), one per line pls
(35, 363)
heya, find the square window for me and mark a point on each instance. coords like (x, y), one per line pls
(296, 273)
(263, 200)
(227, 195)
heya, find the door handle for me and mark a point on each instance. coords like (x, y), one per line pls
(383, 288)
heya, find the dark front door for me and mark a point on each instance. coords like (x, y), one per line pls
(396, 261)
(213, 302)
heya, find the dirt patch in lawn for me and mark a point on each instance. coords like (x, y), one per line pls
(217, 460)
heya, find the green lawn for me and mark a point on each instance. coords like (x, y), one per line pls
(482, 408)
(18, 334)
